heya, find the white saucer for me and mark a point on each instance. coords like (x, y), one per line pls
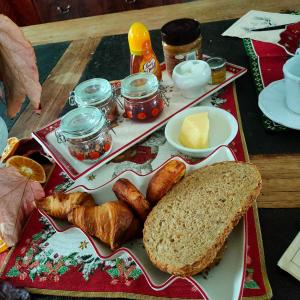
(271, 101)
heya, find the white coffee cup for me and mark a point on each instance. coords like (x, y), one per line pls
(291, 71)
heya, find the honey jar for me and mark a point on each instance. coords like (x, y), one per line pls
(181, 40)
(143, 101)
(218, 69)
(84, 130)
(99, 93)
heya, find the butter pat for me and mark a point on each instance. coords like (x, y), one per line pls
(194, 131)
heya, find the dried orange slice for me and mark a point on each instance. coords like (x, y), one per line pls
(3, 246)
(11, 147)
(27, 167)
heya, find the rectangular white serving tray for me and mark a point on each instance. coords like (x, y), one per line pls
(128, 132)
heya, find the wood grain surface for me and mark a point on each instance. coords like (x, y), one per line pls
(281, 173)
(153, 18)
(281, 180)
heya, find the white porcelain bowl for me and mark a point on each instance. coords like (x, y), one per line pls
(191, 77)
(223, 128)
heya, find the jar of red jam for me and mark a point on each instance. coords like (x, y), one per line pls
(96, 92)
(86, 134)
(143, 101)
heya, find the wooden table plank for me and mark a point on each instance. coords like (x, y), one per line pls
(281, 180)
(110, 24)
(57, 87)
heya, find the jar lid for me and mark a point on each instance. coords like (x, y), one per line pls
(180, 32)
(82, 122)
(92, 92)
(139, 85)
(216, 62)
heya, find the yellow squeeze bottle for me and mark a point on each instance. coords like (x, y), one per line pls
(142, 58)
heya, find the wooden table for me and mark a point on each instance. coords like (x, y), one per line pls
(281, 173)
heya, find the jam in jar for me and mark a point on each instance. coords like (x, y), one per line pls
(99, 93)
(85, 132)
(142, 98)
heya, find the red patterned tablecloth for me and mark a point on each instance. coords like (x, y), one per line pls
(41, 271)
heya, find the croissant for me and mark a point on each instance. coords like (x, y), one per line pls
(59, 204)
(127, 192)
(112, 222)
(164, 179)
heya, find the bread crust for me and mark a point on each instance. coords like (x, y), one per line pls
(211, 253)
(128, 193)
(164, 179)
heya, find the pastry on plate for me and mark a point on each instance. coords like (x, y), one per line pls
(112, 222)
(58, 205)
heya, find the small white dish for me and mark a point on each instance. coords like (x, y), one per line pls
(191, 77)
(223, 128)
(271, 101)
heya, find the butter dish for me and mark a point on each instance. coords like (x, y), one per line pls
(223, 128)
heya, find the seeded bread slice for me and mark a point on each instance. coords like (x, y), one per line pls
(187, 228)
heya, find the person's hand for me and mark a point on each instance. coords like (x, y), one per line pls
(18, 69)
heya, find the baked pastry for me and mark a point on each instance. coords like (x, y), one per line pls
(127, 192)
(164, 179)
(112, 222)
(187, 228)
(58, 205)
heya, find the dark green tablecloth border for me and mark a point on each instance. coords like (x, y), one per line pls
(254, 66)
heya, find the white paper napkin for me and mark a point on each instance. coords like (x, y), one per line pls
(255, 19)
(290, 260)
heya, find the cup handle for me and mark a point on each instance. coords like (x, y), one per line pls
(297, 51)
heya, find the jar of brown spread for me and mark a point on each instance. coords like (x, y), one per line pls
(181, 40)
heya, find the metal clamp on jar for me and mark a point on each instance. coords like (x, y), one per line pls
(143, 100)
(96, 92)
(86, 134)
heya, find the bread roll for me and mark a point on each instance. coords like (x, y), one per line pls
(164, 179)
(127, 192)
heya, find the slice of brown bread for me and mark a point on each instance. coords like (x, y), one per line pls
(187, 228)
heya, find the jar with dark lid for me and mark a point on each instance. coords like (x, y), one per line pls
(142, 98)
(218, 69)
(96, 92)
(85, 132)
(181, 40)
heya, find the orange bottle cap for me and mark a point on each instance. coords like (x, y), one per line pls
(137, 36)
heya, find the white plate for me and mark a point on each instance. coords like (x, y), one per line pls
(128, 133)
(271, 101)
(225, 281)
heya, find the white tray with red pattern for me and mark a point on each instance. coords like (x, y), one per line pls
(224, 281)
(127, 131)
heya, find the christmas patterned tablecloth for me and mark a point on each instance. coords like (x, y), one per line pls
(266, 62)
(45, 264)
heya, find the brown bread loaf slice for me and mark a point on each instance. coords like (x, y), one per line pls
(187, 228)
